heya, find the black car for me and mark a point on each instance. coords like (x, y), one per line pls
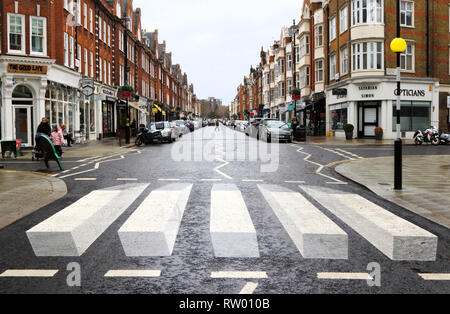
(277, 131)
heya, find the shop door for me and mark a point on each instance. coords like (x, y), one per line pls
(22, 125)
(370, 120)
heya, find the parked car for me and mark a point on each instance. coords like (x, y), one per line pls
(147, 136)
(197, 124)
(211, 122)
(176, 130)
(253, 127)
(205, 123)
(165, 129)
(183, 128)
(277, 131)
(243, 125)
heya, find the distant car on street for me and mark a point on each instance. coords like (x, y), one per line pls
(165, 129)
(183, 128)
(277, 131)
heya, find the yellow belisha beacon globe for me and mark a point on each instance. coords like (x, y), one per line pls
(398, 45)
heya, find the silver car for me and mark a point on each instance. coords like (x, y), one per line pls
(176, 131)
(165, 129)
(183, 128)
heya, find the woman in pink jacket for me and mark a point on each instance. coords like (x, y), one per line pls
(57, 140)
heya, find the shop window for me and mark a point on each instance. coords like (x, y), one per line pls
(413, 116)
(338, 116)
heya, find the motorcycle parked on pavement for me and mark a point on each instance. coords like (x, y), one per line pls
(147, 136)
(430, 135)
(444, 138)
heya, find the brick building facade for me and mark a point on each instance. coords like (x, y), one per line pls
(66, 60)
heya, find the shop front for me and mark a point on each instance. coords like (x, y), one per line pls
(312, 114)
(371, 102)
(109, 116)
(33, 88)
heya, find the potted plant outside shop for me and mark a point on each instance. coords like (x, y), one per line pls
(349, 128)
(378, 133)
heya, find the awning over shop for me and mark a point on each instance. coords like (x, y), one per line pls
(135, 105)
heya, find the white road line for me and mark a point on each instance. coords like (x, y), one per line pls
(314, 234)
(437, 277)
(240, 274)
(146, 273)
(168, 179)
(249, 180)
(349, 153)
(249, 288)
(152, 229)
(77, 173)
(232, 231)
(71, 231)
(211, 180)
(217, 169)
(85, 179)
(395, 237)
(295, 182)
(29, 273)
(335, 152)
(344, 276)
(127, 179)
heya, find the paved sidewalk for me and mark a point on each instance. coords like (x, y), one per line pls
(426, 183)
(108, 146)
(22, 193)
(337, 141)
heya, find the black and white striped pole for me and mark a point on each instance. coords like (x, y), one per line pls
(398, 45)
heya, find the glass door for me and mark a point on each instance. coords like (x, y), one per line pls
(370, 121)
(22, 125)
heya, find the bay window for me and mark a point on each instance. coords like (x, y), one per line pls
(367, 11)
(318, 35)
(304, 77)
(16, 33)
(333, 28)
(367, 56)
(38, 35)
(304, 45)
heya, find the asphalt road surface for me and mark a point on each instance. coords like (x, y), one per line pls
(221, 213)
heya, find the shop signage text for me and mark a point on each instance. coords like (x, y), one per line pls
(26, 68)
(410, 92)
(368, 88)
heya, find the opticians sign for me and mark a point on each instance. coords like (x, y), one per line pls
(26, 68)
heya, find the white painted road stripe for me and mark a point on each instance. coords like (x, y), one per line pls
(295, 182)
(344, 276)
(85, 179)
(152, 229)
(314, 234)
(71, 231)
(29, 273)
(169, 180)
(240, 274)
(444, 276)
(395, 237)
(252, 180)
(133, 273)
(231, 228)
(77, 173)
(211, 180)
(249, 288)
(127, 179)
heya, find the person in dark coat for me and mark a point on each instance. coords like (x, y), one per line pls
(43, 129)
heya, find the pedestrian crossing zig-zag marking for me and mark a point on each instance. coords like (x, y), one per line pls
(152, 229)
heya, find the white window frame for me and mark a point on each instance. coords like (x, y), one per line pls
(91, 21)
(343, 61)
(404, 56)
(304, 45)
(100, 33)
(91, 64)
(358, 12)
(86, 68)
(332, 28)
(333, 69)
(343, 19)
(358, 55)
(22, 44)
(318, 36)
(319, 70)
(304, 77)
(85, 15)
(44, 40)
(66, 50)
(404, 11)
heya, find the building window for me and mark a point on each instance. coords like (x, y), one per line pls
(91, 21)
(407, 58)
(413, 116)
(289, 61)
(66, 49)
(85, 16)
(338, 116)
(332, 66)
(86, 62)
(407, 13)
(38, 35)
(91, 63)
(304, 77)
(333, 28)
(71, 52)
(304, 45)
(318, 35)
(289, 86)
(367, 56)
(319, 71)
(100, 33)
(343, 21)
(16, 36)
(344, 61)
(367, 11)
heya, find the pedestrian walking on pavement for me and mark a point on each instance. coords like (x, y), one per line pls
(43, 129)
(217, 126)
(57, 140)
(67, 135)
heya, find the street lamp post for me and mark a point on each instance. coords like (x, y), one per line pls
(398, 45)
(294, 65)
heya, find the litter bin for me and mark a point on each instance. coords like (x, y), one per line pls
(300, 134)
(10, 147)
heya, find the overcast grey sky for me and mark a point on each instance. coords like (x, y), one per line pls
(216, 41)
